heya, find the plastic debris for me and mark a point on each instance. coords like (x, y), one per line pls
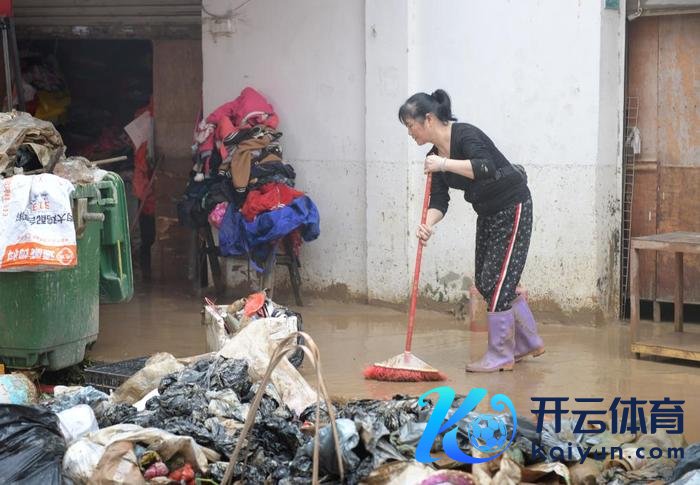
(32, 445)
(184, 474)
(158, 469)
(146, 379)
(690, 478)
(349, 439)
(167, 445)
(16, 388)
(118, 466)
(78, 170)
(117, 414)
(81, 459)
(255, 344)
(691, 461)
(182, 430)
(222, 323)
(71, 397)
(76, 422)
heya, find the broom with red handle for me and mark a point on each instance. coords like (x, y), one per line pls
(406, 367)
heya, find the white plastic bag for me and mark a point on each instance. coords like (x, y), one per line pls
(80, 460)
(215, 330)
(76, 422)
(141, 404)
(256, 343)
(166, 444)
(36, 224)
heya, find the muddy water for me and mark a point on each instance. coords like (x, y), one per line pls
(579, 361)
(158, 319)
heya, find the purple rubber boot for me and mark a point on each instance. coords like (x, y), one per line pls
(499, 355)
(527, 341)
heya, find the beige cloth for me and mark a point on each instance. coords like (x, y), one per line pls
(242, 159)
(147, 379)
(118, 466)
(165, 444)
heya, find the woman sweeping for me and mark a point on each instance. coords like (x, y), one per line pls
(464, 158)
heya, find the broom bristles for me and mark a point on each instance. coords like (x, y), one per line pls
(404, 367)
(380, 373)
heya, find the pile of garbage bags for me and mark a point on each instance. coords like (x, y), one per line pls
(179, 420)
(189, 426)
(187, 430)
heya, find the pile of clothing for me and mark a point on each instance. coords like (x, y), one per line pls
(241, 184)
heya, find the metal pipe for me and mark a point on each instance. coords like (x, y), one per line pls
(93, 164)
(8, 71)
(110, 160)
(18, 70)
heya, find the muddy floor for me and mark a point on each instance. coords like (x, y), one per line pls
(579, 361)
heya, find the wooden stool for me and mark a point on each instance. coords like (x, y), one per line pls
(281, 255)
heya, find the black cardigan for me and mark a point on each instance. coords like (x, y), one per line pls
(497, 184)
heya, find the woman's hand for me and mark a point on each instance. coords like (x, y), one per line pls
(423, 233)
(434, 163)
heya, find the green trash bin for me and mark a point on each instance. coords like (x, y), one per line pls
(48, 318)
(116, 272)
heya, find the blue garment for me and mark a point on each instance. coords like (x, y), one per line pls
(238, 236)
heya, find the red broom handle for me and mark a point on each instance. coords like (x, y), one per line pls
(416, 273)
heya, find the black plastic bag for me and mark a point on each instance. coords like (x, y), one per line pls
(691, 461)
(348, 439)
(31, 445)
(117, 414)
(27, 159)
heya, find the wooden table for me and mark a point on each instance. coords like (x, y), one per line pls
(678, 344)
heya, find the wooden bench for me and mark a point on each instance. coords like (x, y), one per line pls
(679, 344)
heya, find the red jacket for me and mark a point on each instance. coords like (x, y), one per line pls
(268, 197)
(250, 108)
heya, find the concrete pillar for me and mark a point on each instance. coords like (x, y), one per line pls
(387, 85)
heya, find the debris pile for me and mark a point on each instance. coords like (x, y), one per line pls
(179, 421)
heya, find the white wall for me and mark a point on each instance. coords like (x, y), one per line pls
(543, 78)
(307, 58)
(529, 74)
(609, 175)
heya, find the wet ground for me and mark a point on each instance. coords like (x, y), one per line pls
(579, 361)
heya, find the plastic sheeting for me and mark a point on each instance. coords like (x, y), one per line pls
(146, 379)
(32, 445)
(18, 129)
